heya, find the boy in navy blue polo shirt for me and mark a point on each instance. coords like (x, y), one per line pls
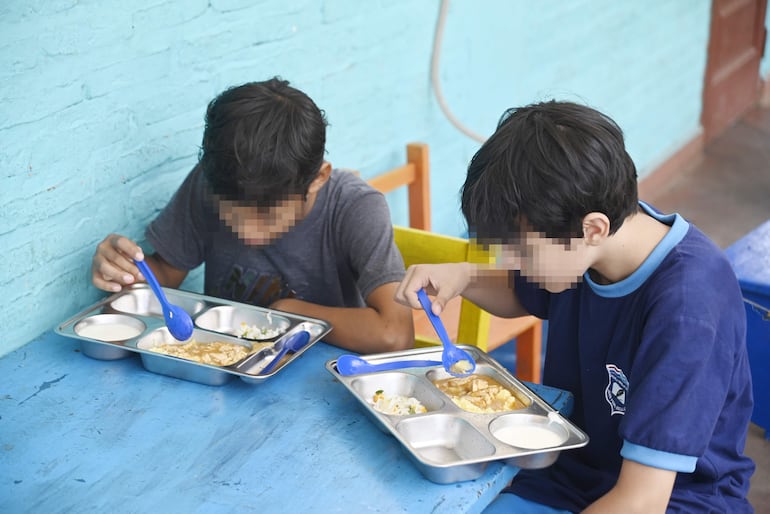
(646, 321)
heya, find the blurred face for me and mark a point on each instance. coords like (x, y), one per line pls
(554, 265)
(262, 226)
(258, 226)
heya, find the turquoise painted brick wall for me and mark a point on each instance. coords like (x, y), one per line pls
(101, 103)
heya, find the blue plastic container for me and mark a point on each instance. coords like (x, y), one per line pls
(750, 257)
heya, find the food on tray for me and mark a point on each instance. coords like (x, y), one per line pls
(216, 353)
(530, 437)
(397, 404)
(479, 393)
(256, 332)
(462, 366)
(109, 331)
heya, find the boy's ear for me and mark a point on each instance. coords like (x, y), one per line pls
(596, 228)
(323, 175)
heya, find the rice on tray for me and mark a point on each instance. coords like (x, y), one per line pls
(256, 332)
(396, 404)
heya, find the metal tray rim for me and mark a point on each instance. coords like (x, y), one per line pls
(503, 451)
(152, 323)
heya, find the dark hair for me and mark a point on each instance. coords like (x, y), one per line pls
(548, 165)
(263, 141)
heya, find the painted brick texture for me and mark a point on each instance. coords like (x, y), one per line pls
(102, 103)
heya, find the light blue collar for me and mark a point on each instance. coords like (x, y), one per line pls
(679, 228)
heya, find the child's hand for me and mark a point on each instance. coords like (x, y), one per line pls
(444, 281)
(113, 263)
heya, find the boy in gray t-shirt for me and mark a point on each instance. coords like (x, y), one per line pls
(275, 225)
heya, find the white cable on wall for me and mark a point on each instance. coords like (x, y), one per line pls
(434, 75)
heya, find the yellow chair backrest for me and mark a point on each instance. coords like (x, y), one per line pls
(465, 322)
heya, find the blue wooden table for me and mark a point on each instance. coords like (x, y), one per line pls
(82, 435)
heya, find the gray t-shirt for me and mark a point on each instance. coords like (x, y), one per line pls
(336, 256)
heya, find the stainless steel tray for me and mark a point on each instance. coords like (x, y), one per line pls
(131, 322)
(449, 444)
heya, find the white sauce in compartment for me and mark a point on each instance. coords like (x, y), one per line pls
(109, 331)
(530, 437)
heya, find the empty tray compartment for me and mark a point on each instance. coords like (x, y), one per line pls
(142, 302)
(446, 447)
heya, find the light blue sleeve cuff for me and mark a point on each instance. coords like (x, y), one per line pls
(657, 458)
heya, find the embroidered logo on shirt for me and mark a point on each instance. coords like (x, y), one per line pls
(616, 390)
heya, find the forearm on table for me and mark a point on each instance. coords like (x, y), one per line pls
(359, 329)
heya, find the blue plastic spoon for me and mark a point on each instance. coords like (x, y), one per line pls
(353, 365)
(457, 362)
(293, 343)
(178, 322)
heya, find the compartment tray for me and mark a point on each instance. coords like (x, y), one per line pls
(449, 444)
(136, 313)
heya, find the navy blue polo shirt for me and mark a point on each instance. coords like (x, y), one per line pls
(658, 366)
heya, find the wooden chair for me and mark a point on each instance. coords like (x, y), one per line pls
(465, 322)
(415, 175)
